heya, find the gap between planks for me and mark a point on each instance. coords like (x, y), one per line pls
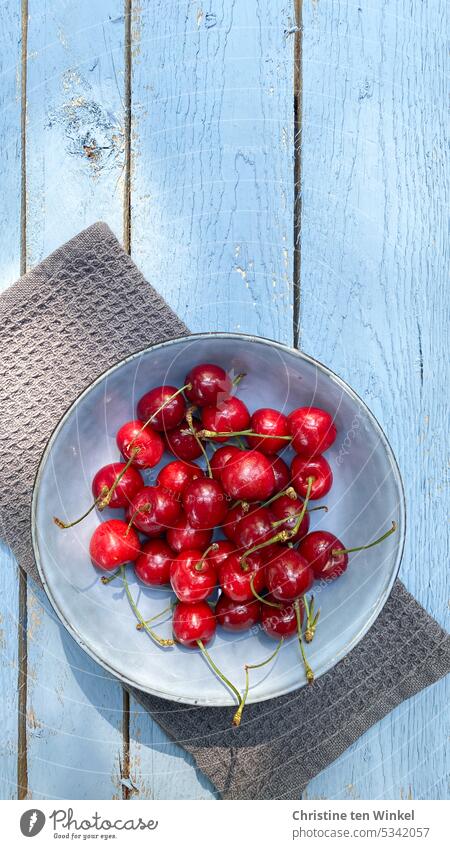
(298, 97)
(128, 10)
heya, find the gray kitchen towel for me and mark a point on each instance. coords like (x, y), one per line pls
(65, 322)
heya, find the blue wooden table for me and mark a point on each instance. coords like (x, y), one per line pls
(275, 167)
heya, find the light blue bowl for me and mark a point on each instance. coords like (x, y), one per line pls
(366, 497)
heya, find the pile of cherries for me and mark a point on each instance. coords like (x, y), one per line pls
(232, 539)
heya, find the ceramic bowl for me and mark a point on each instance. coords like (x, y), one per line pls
(367, 495)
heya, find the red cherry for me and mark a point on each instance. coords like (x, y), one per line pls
(254, 528)
(270, 422)
(249, 477)
(237, 615)
(193, 622)
(317, 468)
(235, 582)
(181, 443)
(281, 473)
(317, 548)
(288, 574)
(177, 475)
(192, 576)
(222, 549)
(289, 509)
(210, 385)
(312, 429)
(230, 416)
(232, 519)
(152, 566)
(326, 554)
(112, 545)
(182, 536)
(153, 510)
(170, 416)
(205, 503)
(130, 483)
(280, 622)
(220, 457)
(148, 441)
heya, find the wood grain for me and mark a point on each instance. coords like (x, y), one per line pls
(75, 161)
(10, 205)
(211, 210)
(374, 306)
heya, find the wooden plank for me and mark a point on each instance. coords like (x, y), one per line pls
(211, 210)
(10, 186)
(374, 307)
(75, 159)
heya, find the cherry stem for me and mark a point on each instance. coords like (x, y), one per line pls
(199, 566)
(236, 380)
(388, 533)
(144, 509)
(261, 598)
(104, 498)
(238, 715)
(308, 671)
(286, 534)
(107, 579)
(212, 434)
(140, 626)
(290, 491)
(159, 640)
(198, 440)
(216, 669)
(245, 505)
(311, 620)
(161, 407)
(65, 525)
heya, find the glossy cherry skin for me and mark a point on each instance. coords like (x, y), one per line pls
(317, 468)
(288, 574)
(205, 503)
(232, 519)
(273, 424)
(235, 582)
(254, 528)
(130, 483)
(217, 556)
(159, 510)
(237, 615)
(210, 385)
(229, 417)
(192, 622)
(280, 622)
(170, 416)
(181, 443)
(182, 536)
(191, 578)
(152, 567)
(312, 429)
(317, 548)
(149, 442)
(281, 474)
(249, 477)
(220, 457)
(112, 545)
(285, 507)
(177, 475)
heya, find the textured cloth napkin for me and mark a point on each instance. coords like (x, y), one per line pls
(81, 310)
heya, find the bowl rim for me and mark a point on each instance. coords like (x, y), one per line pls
(221, 701)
